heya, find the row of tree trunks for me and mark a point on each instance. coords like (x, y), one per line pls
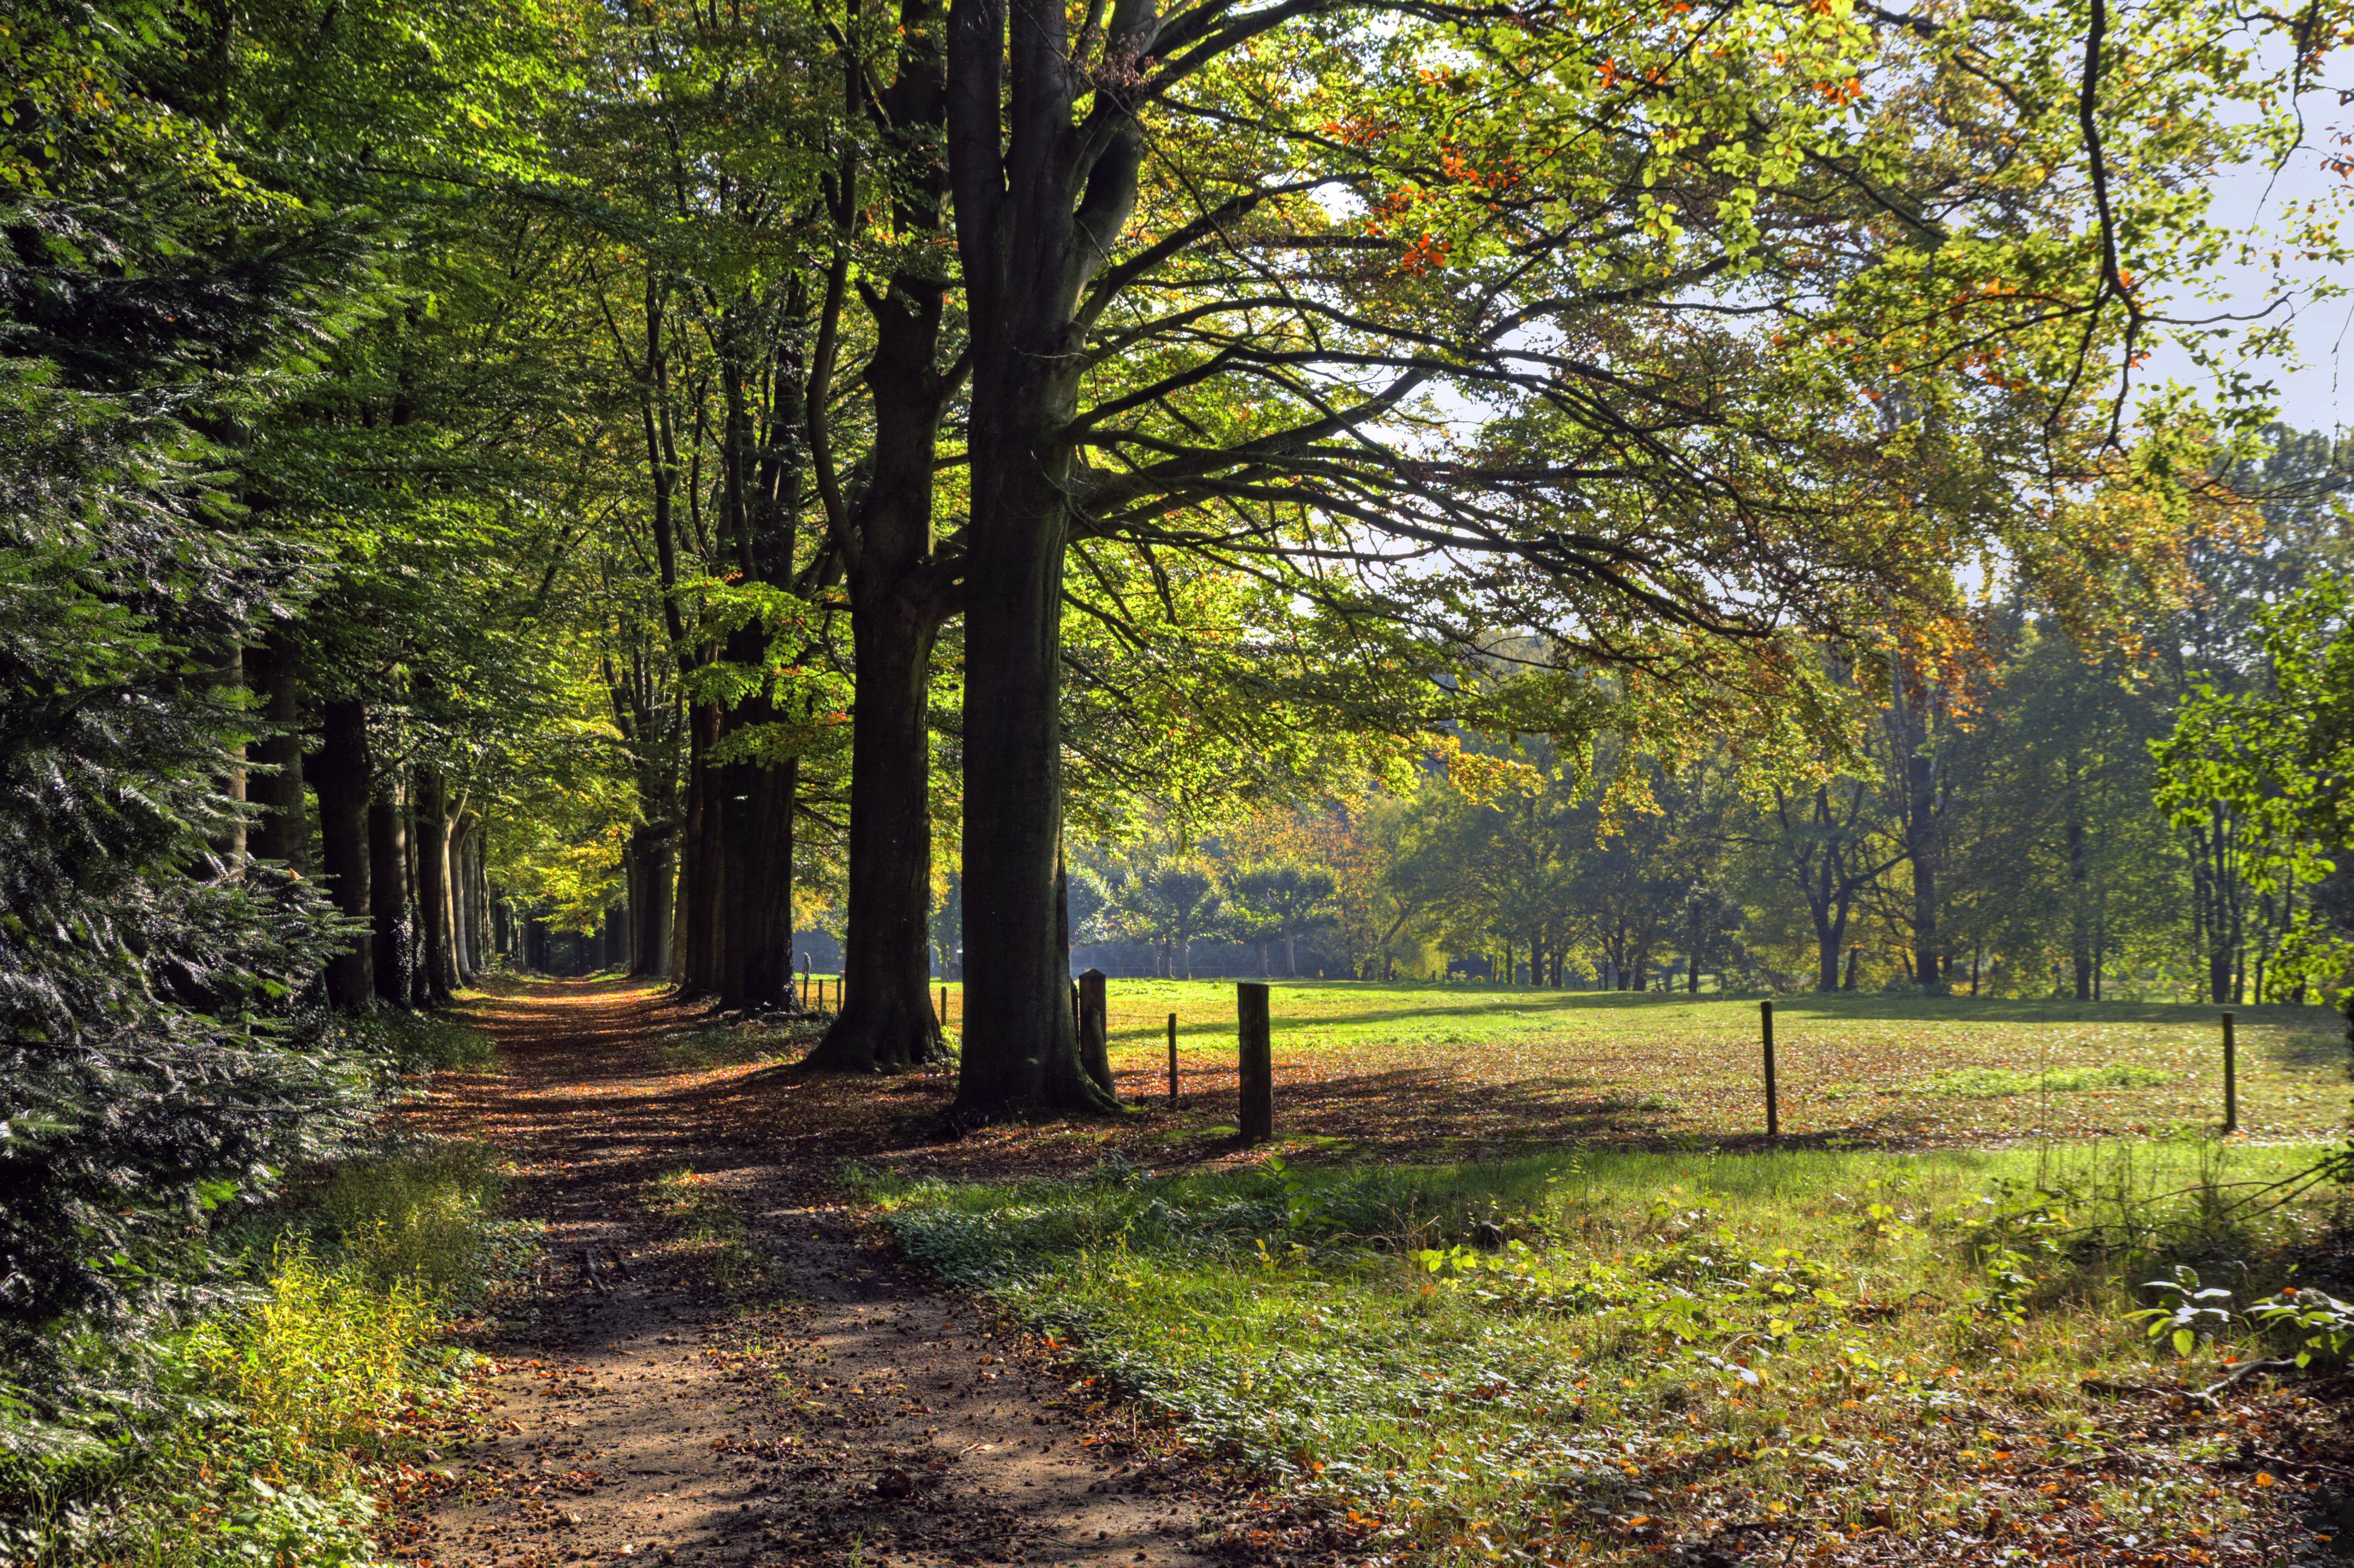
(398, 855)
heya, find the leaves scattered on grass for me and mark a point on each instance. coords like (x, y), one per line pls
(1986, 1083)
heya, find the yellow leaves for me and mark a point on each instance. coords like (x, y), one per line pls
(1483, 779)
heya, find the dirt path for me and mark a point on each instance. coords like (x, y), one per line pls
(822, 1406)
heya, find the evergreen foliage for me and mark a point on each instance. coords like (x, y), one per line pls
(157, 1062)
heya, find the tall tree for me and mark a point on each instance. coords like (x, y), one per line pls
(1725, 231)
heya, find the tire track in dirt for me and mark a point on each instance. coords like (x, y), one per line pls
(841, 1411)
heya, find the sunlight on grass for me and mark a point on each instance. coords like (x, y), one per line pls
(1650, 1346)
(1985, 1083)
(1408, 1065)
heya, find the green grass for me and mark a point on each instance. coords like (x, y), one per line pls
(1402, 1068)
(1986, 1083)
(1667, 1345)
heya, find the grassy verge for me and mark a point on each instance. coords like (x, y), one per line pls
(299, 1383)
(1593, 1357)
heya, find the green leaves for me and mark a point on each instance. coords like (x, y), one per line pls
(2198, 1314)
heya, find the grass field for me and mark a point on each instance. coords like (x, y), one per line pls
(1807, 1356)
(1425, 1065)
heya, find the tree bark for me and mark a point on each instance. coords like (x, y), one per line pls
(432, 848)
(700, 891)
(341, 777)
(887, 1019)
(388, 901)
(1921, 844)
(463, 962)
(280, 831)
(900, 594)
(651, 876)
(1038, 202)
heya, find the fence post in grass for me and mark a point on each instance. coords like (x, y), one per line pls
(944, 1010)
(1094, 1033)
(1773, 1089)
(2230, 1079)
(1256, 1119)
(1173, 1061)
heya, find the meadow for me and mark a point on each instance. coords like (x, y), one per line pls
(1807, 1355)
(1464, 1067)
(1519, 1278)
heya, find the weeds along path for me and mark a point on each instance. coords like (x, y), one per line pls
(714, 1366)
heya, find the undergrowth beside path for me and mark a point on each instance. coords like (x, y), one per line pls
(310, 1364)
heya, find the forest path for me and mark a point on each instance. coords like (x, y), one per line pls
(767, 1386)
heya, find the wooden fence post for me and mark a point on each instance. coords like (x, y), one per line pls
(1095, 1043)
(1773, 1090)
(1256, 1119)
(2230, 1079)
(1172, 1060)
(944, 1010)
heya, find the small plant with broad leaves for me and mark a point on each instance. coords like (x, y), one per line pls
(2198, 1313)
(2327, 1323)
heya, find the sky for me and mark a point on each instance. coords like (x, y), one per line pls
(2313, 395)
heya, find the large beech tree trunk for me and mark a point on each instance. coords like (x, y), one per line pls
(1040, 196)
(898, 602)
(341, 778)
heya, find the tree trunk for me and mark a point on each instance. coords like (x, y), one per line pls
(651, 878)
(887, 1020)
(387, 889)
(768, 972)
(279, 832)
(464, 960)
(898, 600)
(341, 777)
(1038, 204)
(432, 830)
(703, 872)
(1020, 1047)
(1921, 838)
(1829, 939)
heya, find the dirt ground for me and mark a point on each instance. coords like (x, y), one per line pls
(789, 1394)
